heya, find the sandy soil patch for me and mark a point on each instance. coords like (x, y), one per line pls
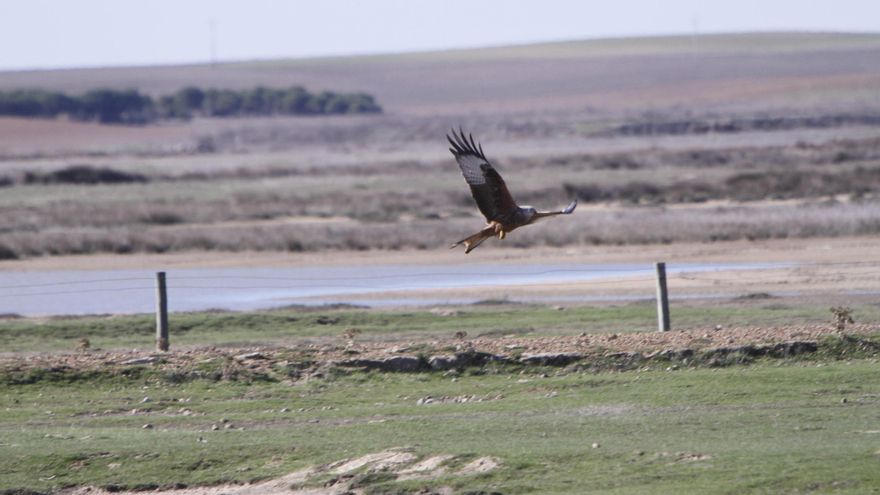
(427, 466)
(380, 460)
(399, 462)
(481, 465)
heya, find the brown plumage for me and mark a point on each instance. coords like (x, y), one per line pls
(490, 193)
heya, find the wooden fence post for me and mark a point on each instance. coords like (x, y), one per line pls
(162, 343)
(662, 298)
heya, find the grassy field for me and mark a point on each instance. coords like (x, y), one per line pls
(804, 423)
(664, 141)
(790, 426)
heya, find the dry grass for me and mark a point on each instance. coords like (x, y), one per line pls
(615, 226)
(409, 204)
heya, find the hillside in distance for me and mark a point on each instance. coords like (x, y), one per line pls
(607, 77)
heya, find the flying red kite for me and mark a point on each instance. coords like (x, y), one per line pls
(489, 191)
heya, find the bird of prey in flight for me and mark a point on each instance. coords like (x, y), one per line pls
(489, 191)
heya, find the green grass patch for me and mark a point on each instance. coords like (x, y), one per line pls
(781, 426)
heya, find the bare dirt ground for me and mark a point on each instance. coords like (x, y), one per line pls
(266, 359)
(30, 135)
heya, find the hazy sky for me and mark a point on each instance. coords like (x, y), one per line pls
(62, 33)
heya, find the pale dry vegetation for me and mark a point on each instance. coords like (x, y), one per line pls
(638, 196)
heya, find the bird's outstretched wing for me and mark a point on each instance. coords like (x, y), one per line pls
(487, 187)
(568, 210)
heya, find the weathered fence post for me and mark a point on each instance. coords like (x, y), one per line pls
(662, 298)
(162, 343)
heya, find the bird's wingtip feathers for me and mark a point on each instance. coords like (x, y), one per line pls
(463, 144)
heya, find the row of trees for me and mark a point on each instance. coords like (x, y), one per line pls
(132, 107)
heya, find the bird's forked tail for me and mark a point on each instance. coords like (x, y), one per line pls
(471, 242)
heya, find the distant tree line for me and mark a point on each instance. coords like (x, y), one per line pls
(103, 105)
(295, 100)
(132, 107)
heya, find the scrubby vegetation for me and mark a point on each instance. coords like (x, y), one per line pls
(741, 124)
(112, 106)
